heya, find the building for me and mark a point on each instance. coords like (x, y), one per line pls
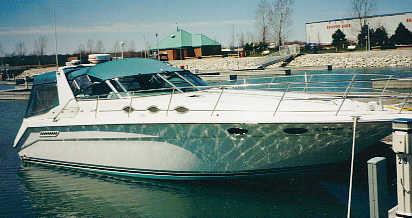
(320, 33)
(181, 44)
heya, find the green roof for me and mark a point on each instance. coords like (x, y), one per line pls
(123, 67)
(199, 40)
(181, 38)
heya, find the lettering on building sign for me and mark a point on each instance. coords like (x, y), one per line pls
(338, 26)
(409, 20)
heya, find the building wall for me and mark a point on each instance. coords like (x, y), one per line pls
(171, 54)
(321, 32)
(207, 50)
(198, 52)
(174, 54)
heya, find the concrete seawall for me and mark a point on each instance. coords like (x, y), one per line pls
(371, 59)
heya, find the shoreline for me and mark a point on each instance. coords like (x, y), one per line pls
(354, 59)
(357, 59)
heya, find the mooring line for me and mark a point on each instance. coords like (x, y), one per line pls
(355, 120)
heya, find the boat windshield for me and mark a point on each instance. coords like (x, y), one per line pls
(140, 84)
(158, 83)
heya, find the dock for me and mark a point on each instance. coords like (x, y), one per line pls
(15, 94)
(403, 83)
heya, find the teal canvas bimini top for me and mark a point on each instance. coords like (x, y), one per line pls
(123, 67)
(45, 78)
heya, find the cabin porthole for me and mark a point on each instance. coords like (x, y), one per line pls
(128, 109)
(181, 109)
(153, 109)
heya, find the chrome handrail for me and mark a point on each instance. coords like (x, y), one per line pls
(281, 99)
(356, 87)
(346, 94)
(217, 102)
(61, 110)
(170, 102)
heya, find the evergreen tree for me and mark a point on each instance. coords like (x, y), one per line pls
(402, 35)
(380, 37)
(363, 36)
(339, 39)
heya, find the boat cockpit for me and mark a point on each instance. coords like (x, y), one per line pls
(89, 82)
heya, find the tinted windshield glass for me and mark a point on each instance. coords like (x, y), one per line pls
(42, 98)
(185, 81)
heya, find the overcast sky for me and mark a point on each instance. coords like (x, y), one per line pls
(139, 20)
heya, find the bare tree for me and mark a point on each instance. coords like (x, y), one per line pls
(2, 54)
(90, 45)
(40, 47)
(1, 50)
(250, 37)
(82, 50)
(362, 9)
(20, 49)
(146, 45)
(132, 46)
(99, 47)
(280, 14)
(116, 48)
(262, 19)
(242, 40)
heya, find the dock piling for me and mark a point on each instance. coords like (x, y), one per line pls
(329, 67)
(402, 136)
(378, 187)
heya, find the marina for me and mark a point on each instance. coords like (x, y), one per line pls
(327, 184)
(215, 111)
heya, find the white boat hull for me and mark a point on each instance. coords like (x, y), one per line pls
(196, 151)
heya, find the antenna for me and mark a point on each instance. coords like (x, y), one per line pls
(53, 13)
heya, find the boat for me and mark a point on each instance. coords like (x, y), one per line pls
(143, 118)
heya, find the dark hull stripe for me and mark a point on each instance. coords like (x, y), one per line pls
(176, 175)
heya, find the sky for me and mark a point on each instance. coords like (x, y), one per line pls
(140, 20)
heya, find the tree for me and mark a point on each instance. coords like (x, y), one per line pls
(242, 40)
(82, 50)
(380, 37)
(116, 48)
(90, 46)
(361, 9)
(40, 47)
(132, 46)
(402, 35)
(99, 47)
(1, 54)
(339, 39)
(1, 50)
(280, 19)
(363, 36)
(248, 48)
(262, 20)
(20, 49)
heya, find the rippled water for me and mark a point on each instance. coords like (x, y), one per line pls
(32, 190)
